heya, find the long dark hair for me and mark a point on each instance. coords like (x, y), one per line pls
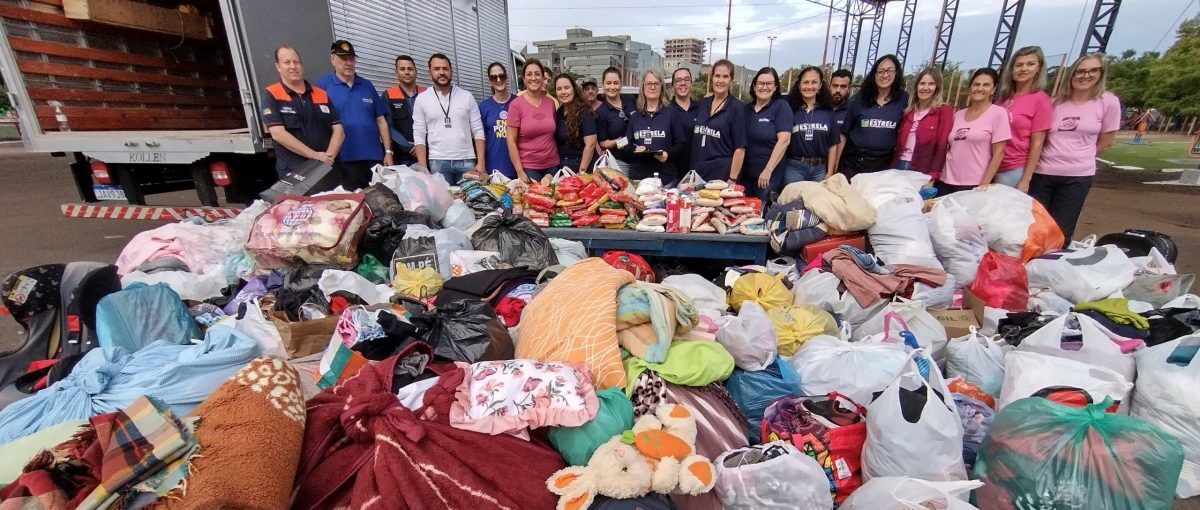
(823, 100)
(573, 111)
(870, 91)
(754, 88)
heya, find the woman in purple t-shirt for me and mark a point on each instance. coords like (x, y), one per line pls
(1086, 119)
(977, 138)
(1029, 115)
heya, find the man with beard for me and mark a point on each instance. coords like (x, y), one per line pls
(400, 99)
(447, 129)
(590, 90)
(839, 93)
(364, 118)
(302, 122)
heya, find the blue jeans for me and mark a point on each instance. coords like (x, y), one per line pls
(795, 170)
(451, 169)
(1010, 178)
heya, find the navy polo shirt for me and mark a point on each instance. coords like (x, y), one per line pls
(873, 127)
(656, 131)
(762, 130)
(307, 115)
(839, 116)
(572, 150)
(359, 105)
(611, 122)
(714, 138)
(687, 116)
(813, 133)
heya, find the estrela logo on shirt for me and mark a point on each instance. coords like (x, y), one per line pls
(707, 131)
(877, 123)
(961, 134)
(1069, 124)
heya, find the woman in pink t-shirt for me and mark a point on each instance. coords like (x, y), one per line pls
(977, 138)
(531, 144)
(1086, 119)
(1029, 115)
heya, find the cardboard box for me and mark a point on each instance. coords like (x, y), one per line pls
(975, 304)
(958, 323)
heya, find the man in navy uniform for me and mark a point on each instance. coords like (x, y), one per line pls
(299, 116)
(400, 100)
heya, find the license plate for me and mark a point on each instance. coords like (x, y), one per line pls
(108, 192)
(147, 157)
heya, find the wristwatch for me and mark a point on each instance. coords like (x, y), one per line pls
(388, 151)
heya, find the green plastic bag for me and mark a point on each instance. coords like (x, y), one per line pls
(370, 268)
(1042, 454)
(576, 444)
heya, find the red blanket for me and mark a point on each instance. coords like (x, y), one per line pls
(361, 445)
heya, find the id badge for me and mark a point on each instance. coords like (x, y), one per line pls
(447, 119)
(808, 136)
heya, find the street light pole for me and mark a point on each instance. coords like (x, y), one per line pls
(711, 42)
(836, 38)
(770, 48)
(728, 27)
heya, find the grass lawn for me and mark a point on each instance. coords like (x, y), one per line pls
(1164, 151)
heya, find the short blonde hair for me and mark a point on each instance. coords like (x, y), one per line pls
(931, 72)
(1064, 92)
(641, 99)
(1008, 86)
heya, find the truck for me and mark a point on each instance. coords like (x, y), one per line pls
(148, 96)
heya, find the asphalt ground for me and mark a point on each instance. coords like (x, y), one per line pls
(33, 230)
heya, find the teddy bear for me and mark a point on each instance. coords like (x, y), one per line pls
(657, 455)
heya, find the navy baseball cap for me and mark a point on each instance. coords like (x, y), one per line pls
(342, 48)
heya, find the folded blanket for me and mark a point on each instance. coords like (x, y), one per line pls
(649, 317)
(868, 287)
(250, 433)
(687, 364)
(574, 319)
(834, 201)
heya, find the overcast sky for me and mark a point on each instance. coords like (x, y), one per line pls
(1056, 25)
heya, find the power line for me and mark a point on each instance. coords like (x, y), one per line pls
(1173, 25)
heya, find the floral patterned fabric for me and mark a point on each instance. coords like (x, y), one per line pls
(509, 396)
(309, 230)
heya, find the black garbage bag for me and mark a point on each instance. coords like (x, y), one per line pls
(381, 200)
(296, 286)
(385, 231)
(465, 330)
(519, 241)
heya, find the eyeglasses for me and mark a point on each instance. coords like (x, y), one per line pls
(886, 71)
(498, 77)
(764, 84)
(681, 81)
(1087, 73)
(652, 85)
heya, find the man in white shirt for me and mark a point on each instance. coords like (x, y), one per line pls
(447, 128)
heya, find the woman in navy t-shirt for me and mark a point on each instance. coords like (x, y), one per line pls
(768, 131)
(873, 119)
(612, 116)
(656, 134)
(814, 129)
(575, 130)
(719, 138)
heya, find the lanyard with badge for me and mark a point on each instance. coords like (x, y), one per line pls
(445, 109)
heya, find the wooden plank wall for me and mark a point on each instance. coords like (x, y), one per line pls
(110, 78)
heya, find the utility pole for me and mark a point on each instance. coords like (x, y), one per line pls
(728, 27)
(770, 48)
(836, 38)
(828, 24)
(711, 49)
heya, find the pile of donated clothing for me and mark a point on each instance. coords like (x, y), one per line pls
(394, 348)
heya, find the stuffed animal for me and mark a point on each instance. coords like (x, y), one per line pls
(658, 455)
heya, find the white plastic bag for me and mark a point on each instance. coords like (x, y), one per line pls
(937, 298)
(333, 280)
(190, 286)
(464, 262)
(749, 337)
(902, 493)
(1026, 373)
(1082, 275)
(568, 251)
(978, 359)
(417, 189)
(900, 234)
(1153, 263)
(930, 333)
(854, 369)
(705, 295)
(447, 241)
(930, 448)
(458, 216)
(691, 182)
(820, 288)
(957, 240)
(1047, 302)
(1098, 347)
(252, 322)
(879, 188)
(606, 160)
(1012, 222)
(1166, 396)
(791, 481)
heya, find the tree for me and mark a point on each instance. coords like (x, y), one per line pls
(1174, 82)
(1128, 77)
(700, 86)
(569, 72)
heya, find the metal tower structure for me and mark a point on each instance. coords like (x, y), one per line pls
(910, 11)
(1006, 32)
(945, 30)
(876, 31)
(1104, 16)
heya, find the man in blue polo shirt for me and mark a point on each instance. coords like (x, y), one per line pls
(364, 118)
